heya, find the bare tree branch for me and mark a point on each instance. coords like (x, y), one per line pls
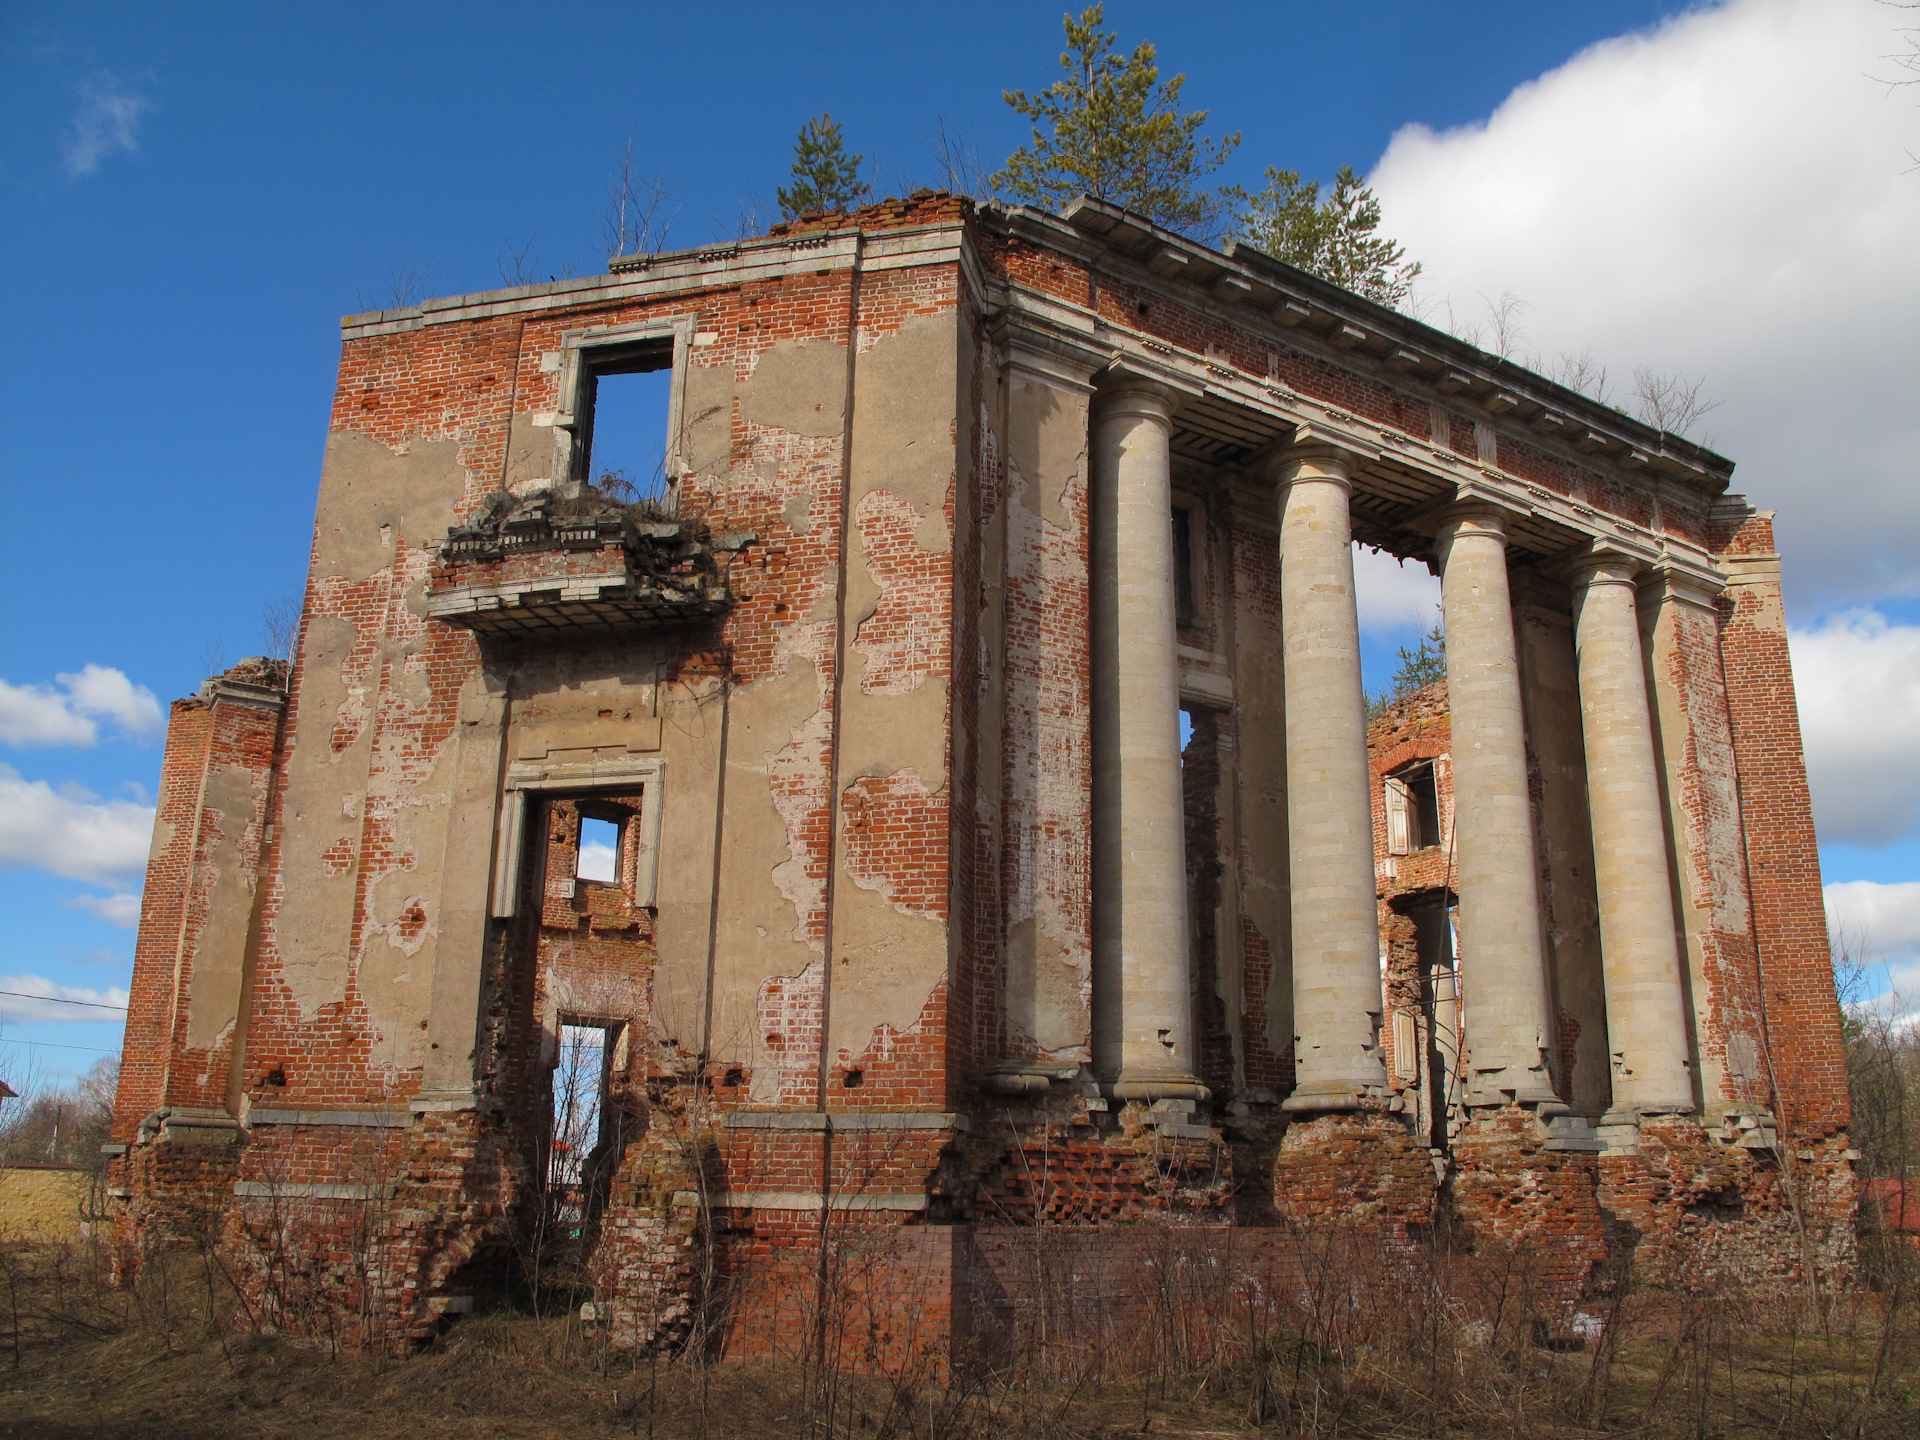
(957, 163)
(1581, 373)
(516, 263)
(1670, 402)
(753, 218)
(631, 223)
(1506, 323)
(280, 629)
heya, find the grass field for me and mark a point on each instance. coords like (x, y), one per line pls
(176, 1356)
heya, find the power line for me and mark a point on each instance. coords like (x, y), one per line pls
(55, 1045)
(56, 1000)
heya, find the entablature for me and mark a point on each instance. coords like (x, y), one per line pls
(1224, 417)
(1244, 285)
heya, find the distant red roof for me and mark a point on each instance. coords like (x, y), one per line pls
(7, 1092)
(1895, 1204)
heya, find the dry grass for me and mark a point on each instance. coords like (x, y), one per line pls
(178, 1355)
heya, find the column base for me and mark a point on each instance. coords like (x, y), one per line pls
(1337, 1098)
(1024, 1077)
(1619, 1128)
(1535, 1093)
(1155, 1085)
(199, 1125)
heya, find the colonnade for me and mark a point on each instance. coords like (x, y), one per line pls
(1143, 1030)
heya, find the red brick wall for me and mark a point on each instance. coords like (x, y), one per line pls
(1789, 915)
(163, 907)
(199, 847)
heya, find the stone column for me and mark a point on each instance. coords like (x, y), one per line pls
(1640, 956)
(1502, 967)
(1336, 926)
(1142, 1028)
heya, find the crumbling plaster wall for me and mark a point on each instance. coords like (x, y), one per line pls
(1708, 852)
(768, 452)
(358, 884)
(1803, 1053)
(911, 395)
(1044, 756)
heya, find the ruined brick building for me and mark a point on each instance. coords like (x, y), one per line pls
(917, 926)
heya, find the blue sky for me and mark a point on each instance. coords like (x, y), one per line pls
(190, 197)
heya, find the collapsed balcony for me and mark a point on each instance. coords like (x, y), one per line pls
(546, 563)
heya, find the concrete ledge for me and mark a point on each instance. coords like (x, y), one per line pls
(844, 1120)
(268, 1190)
(198, 1125)
(446, 1102)
(379, 1119)
(805, 1200)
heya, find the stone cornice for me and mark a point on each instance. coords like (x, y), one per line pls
(682, 272)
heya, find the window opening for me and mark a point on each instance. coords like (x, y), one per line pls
(625, 396)
(579, 1101)
(1413, 809)
(599, 851)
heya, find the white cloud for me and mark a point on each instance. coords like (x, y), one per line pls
(42, 715)
(1726, 195)
(108, 120)
(1880, 925)
(598, 862)
(37, 715)
(121, 911)
(102, 690)
(71, 834)
(1393, 596)
(35, 997)
(1857, 680)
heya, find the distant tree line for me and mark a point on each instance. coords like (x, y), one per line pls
(48, 1125)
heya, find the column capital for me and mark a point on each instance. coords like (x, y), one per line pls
(1603, 567)
(1030, 353)
(1121, 390)
(1306, 456)
(1470, 515)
